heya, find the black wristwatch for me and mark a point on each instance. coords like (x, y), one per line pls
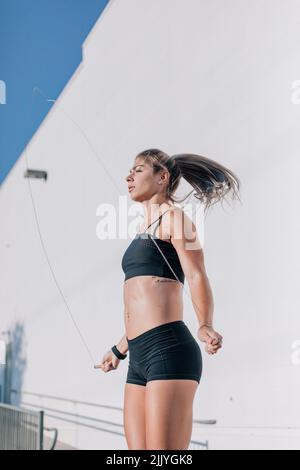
(118, 353)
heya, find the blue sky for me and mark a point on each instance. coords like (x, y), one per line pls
(40, 45)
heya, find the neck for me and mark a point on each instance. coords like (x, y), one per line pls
(154, 207)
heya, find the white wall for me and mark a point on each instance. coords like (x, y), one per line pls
(200, 76)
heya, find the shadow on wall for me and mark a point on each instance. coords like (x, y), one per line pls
(16, 362)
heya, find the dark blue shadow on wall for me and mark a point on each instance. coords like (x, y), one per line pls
(12, 372)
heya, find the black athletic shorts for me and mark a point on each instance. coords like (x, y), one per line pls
(168, 351)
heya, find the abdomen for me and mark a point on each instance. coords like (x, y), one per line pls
(150, 301)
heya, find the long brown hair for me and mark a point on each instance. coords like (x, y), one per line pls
(211, 181)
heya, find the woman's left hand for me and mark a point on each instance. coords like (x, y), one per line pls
(213, 340)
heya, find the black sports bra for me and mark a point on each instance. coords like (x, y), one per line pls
(143, 258)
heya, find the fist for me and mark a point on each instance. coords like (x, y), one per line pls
(213, 340)
(109, 362)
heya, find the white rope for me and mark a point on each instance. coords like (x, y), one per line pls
(50, 265)
(40, 233)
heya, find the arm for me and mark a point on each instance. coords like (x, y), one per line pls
(185, 240)
(202, 299)
(109, 360)
(122, 345)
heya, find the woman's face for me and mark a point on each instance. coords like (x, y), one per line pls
(142, 183)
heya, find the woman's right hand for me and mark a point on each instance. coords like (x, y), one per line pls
(109, 362)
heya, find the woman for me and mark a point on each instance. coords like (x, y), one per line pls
(165, 364)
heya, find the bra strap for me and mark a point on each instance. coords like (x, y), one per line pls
(159, 218)
(153, 233)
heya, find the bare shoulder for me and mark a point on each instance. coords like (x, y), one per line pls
(167, 221)
(187, 244)
(180, 226)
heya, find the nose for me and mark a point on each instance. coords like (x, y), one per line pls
(128, 178)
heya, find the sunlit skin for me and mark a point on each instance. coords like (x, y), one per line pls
(159, 415)
(150, 300)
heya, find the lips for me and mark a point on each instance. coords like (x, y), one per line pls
(131, 188)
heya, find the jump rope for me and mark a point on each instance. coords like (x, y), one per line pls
(81, 336)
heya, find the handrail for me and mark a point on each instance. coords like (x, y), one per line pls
(55, 436)
(69, 414)
(67, 400)
(75, 416)
(96, 405)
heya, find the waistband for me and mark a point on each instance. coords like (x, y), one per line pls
(155, 329)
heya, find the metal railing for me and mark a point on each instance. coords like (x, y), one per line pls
(196, 445)
(20, 429)
(90, 422)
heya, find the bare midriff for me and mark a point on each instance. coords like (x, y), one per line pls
(150, 301)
